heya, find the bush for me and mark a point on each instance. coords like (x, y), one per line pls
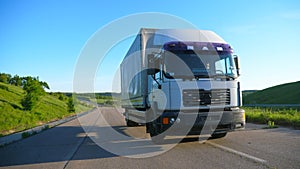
(46, 127)
(109, 102)
(60, 97)
(71, 107)
(29, 101)
(25, 134)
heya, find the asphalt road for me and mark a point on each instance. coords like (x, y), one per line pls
(101, 140)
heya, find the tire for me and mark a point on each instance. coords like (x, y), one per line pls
(156, 137)
(218, 135)
(131, 123)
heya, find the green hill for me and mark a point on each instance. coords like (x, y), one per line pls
(247, 92)
(288, 93)
(13, 116)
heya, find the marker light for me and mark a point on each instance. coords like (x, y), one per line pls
(205, 48)
(172, 45)
(190, 47)
(219, 48)
(165, 120)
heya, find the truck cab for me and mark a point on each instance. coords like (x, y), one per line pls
(192, 83)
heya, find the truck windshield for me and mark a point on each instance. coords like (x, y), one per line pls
(188, 64)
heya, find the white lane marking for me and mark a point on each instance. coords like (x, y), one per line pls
(237, 152)
(73, 151)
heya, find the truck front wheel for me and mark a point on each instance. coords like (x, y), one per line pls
(156, 137)
(218, 135)
(152, 125)
(131, 123)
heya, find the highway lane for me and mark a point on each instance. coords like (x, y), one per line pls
(98, 145)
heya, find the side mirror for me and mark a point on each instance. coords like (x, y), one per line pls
(151, 58)
(237, 64)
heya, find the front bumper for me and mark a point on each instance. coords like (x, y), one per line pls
(199, 122)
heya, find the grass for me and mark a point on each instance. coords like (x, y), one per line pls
(14, 118)
(107, 100)
(272, 116)
(28, 134)
(11, 95)
(82, 107)
(271, 125)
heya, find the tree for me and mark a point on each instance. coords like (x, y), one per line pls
(16, 80)
(29, 101)
(33, 87)
(34, 90)
(71, 107)
(5, 78)
(45, 85)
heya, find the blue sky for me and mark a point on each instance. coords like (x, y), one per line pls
(44, 38)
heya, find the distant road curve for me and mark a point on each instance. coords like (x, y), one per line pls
(271, 105)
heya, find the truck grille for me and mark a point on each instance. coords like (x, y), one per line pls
(192, 97)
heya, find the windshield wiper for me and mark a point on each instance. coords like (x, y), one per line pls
(201, 76)
(196, 76)
(225, 76)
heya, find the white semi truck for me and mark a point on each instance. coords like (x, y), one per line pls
(181, 82)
